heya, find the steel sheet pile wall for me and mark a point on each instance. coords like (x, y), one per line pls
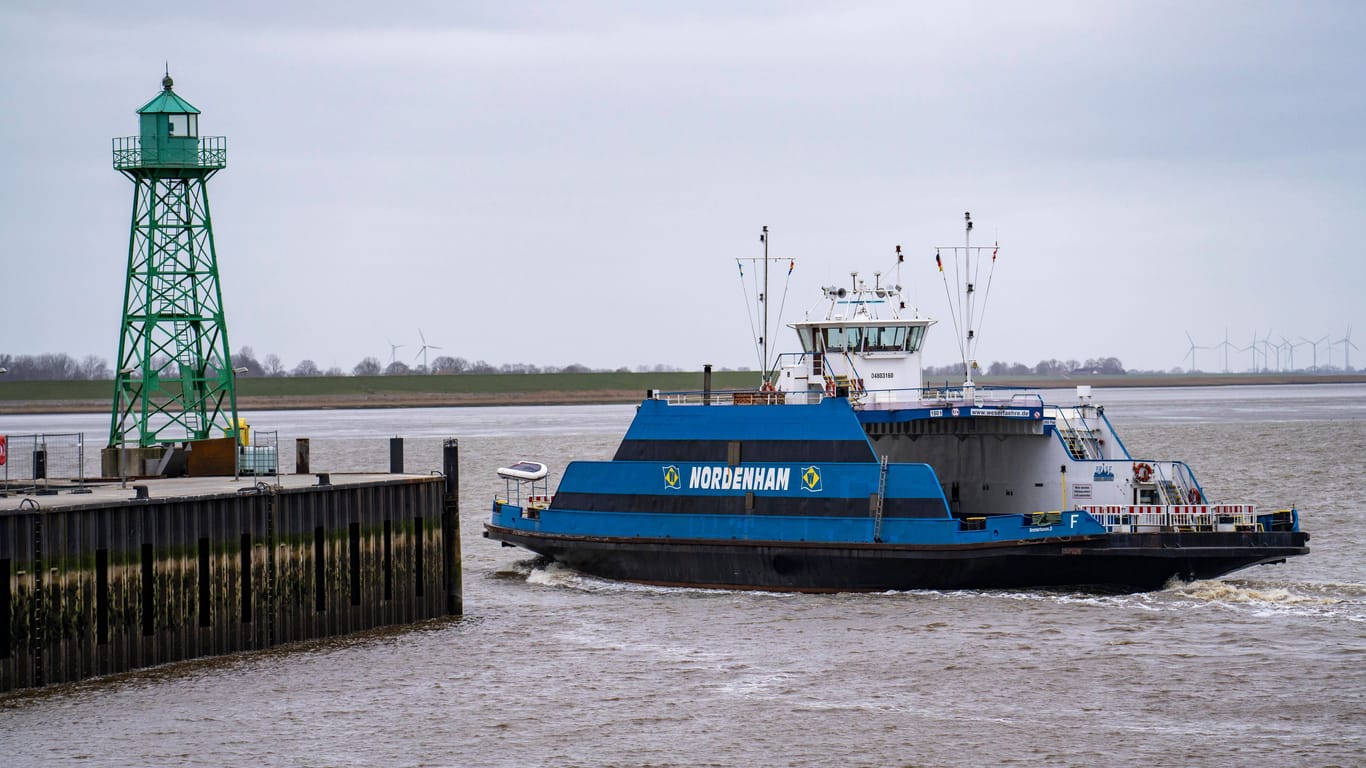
(93, 590)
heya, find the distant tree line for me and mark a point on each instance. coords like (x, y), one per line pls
(53, 367)
(444, 365)
(62, 367)
(1050, 367)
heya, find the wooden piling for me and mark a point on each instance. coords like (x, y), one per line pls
(450, 528)
(301, 447)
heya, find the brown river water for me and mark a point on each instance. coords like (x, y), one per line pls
(548, 668)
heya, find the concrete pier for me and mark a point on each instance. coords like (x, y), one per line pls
(109, 581)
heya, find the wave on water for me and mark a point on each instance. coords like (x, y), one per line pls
(1233, 592)
(1064, 596)
(519, 570)
(549, 573)
(1281, 593)
(1330, 600)
(1334, 599)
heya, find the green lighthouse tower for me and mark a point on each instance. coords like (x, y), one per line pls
(174, 380)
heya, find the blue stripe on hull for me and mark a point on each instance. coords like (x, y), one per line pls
(776, 528)
(843, 481)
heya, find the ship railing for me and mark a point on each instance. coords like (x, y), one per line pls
(719, 397)
(531, 495)
(1082, 441)
(1157, 518)
(1173, 482)
(856, 388)
(980, 395)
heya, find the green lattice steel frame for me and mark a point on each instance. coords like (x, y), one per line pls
(174, 379)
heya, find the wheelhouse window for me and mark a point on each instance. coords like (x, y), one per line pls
(843, 339)
(872, 338)
(915, 337)
(887, 339)
(894, 338)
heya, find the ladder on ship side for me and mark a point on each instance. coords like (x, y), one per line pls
(1171, 492)
(854, 381)
(879, 499)
(1080, 440)
(1171, 495)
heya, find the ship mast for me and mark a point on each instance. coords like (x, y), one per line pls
(967, 299)
(763, 299)
(967, 316)
(758, 312)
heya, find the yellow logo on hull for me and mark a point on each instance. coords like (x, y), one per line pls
(811, 479)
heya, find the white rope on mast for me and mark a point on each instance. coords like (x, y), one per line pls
(791, 265)
(953, 312)
(976, 274)
(990, 273)
(750, 311)
(958, 300)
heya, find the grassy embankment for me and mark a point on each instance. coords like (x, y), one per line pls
(387, 391)
(535, 389)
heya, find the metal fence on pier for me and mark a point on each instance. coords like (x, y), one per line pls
(42, 464)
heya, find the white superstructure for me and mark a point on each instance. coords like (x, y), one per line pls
(861, 346)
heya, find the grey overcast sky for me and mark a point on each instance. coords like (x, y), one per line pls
(571, 182)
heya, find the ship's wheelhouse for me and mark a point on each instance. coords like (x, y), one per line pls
(859, 337)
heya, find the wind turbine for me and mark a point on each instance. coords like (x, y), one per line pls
(1315, 345)
(1280, 364)
(423, 351)
(1258, 348)
(393, 351)
(1291, 345)
(1346, 341)
(1253, 348)
(1226, 347)
(1191, 353)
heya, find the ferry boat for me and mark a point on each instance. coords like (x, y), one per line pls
(843, 471)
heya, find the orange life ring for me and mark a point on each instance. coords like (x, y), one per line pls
(1194, 496)
(1143, 472)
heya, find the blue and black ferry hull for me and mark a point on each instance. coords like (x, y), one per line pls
(1109, 562)
(795, 497)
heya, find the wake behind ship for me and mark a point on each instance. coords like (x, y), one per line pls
(843, 472)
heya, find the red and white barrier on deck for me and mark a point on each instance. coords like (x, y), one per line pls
(1177, 517)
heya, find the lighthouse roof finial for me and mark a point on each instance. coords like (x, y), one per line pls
(167, 82)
